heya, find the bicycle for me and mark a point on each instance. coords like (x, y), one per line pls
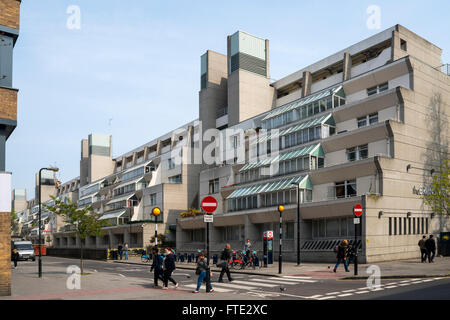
(145, 258)
(240, 260)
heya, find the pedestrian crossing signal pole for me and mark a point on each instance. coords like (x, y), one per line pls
(280, 255)
(156, 212)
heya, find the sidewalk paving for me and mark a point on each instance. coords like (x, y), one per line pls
(389, 270)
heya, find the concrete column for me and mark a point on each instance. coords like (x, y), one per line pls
(215, 238)
(347, 67)
(111, 243)
(126, 235)
(307, 81)
(267, 60)
(252, 233)
(158, 148)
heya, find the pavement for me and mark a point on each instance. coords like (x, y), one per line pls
(387, 270)
(131, 280)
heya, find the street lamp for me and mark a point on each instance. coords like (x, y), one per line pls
(39, 225)
(298, 221)
(280, 210)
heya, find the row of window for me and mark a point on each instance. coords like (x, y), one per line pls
(304, 112)
(358, 153)
(133, 174)
(84, 202)
(269, 200)
(377, 89)
(333, 227)
(175, 179)
(213, 186)
(399, 226)
(89, 190)
(367, 120)
(306, 135)
(125, 189)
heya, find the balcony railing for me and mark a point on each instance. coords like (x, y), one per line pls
(445, 68)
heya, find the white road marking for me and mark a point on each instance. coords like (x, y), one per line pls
(296, 280)
(254, 283)
(332, 293)
(234, 286)
(404, 284)
(428, 280)
(325, 298)
(377, 289)
(361, 292)
(345, 291)
(194, 286)
(121, 275)
(296, 277)
(316, 296)
(292, 295)
(391, 287)
(285, 282)
(345, 295)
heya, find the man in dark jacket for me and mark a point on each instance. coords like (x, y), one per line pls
(423, 249)
(341, 255)
(430, 244)
(15, 257)
(168, 268)
(157, 267)
(225, 258)
(119, 250)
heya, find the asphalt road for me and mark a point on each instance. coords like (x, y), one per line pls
(108, 280)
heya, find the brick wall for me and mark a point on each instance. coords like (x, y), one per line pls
(8, 103)
(5, 254)
(10, 13)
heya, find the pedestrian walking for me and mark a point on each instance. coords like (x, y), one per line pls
(423, 249)
(201, 270)
(157, 267)
(119, 250)
(125, 250)
(430, 244)
(168, 268)
(247, 248)
(342, 255)
(350, 254)
(15, 257)
(225, 257)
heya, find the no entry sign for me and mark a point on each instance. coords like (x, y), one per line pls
(209, 204)
(358, 210)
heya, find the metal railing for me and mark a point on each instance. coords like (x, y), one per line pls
(445, 68)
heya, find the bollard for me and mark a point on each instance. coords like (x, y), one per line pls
(256, 261)
(215, 259)
(189, 260)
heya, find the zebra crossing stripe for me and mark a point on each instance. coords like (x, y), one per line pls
(194, 286)
(296, 277)
(296, 280)
(285, 282)
(258, 284)
(361, 292)
(234, 286)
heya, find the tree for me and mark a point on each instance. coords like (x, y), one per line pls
(192, 212)
(14, 223)
(85, 220)
(437, 196)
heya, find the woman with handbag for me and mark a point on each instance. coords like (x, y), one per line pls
(225, 257)
(201, 270)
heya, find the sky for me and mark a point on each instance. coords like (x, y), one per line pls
(132, 68)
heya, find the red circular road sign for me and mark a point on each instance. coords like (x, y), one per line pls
(209, 204)
(358, 210)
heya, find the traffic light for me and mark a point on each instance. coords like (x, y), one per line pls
(156, 211)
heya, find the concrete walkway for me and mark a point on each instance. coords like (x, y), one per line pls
(388, 270)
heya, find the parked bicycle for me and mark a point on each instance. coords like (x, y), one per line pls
(240, 260)
(145, 257)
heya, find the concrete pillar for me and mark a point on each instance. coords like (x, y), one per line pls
(347, 67)
(126, 235)
(215, 237)
(111, 242)
(307, 82)
(252, 233)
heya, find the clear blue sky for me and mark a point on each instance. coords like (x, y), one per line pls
(138, 62)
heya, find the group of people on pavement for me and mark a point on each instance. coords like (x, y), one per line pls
(427, 249)
(345, 253)
(163, 266)
(122, 250)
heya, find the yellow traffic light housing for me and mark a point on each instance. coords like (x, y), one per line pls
(280, 208)
(156, 211)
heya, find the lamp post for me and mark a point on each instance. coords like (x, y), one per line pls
(39, 224)
(156, 212)
(280, 261)
(298, 222)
